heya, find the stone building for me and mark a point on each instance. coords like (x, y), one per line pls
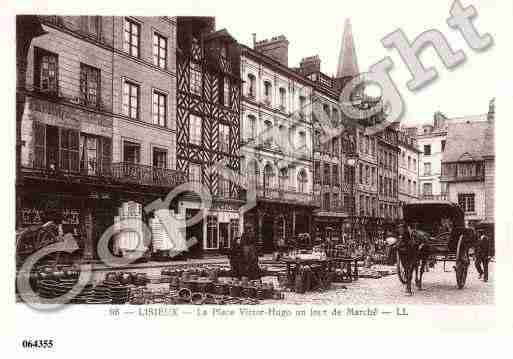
(208, 125)
(98, 130)
(408, 162)
(431, 141)
(276, 143)
(468, 166)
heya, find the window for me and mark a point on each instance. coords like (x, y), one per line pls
(380, 184)
(302, 181)
(427, 150)
(132, 37)
(159, 158)
(268, 176)
(224, 137)
(212, 240)
(427, 189)
(427, 168)
(414, 165)
(251, 86)
(409, 162)
(367, 175)
(131, 99)
(268, 133)
(327, 174)
(283, 178)
(131, 152)
(414, 188)
(361, 173)
(326, 202)
(89, 85)
(302, 104)
(336, 147)
(267, 92)
(466, 202)
(226, 91)
(302, 140)
(234, 229)
(90, 25)
(46, 71)
(224, 187)
(196, 79)
(95, 154)
(283, 100)
(335, 119)
(443, 188)
(443, 145)
(251, 127)
(334, 201)
(195, 129)
(373, 178)
(317, 172)
(159, 109)
(56, 148)
(335, 177)
(159, 51)
(195, 172)
(409, 187)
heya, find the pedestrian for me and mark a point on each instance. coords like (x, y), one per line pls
(235, 257)
(249, 260)
(482, 255)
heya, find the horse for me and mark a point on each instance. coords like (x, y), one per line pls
(412, 255)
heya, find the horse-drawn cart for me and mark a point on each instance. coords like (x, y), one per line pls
(434, 229)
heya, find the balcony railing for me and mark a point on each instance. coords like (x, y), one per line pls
(147, 175)
(435, 197)
(283, 195)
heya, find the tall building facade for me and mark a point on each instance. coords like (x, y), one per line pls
(332, 178)
(408, 163)
(431, 140)
(276, 147)
(98, 128)
(208, 125)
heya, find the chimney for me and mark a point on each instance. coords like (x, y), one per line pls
(276, 48)
(309, 65)
(254, 39)
(491, 110)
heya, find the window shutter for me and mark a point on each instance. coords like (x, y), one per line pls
(39, 145)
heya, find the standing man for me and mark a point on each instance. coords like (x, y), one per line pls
(482, 252)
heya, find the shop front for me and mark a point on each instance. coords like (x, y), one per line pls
(274, 222)
(216, 230)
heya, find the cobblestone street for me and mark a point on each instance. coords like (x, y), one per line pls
(439, 288)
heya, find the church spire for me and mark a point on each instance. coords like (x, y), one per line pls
(347, 64)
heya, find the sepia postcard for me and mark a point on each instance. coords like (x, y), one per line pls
(277, 166)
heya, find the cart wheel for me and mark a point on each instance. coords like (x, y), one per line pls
(462, 263)
(401, 273)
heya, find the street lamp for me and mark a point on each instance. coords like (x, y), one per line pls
(351, 162)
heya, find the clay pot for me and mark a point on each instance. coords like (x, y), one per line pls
(235, 290)
(197, 298)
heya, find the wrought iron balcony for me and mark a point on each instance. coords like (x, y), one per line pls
(147, 175)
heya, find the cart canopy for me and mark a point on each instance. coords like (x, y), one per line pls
(429, 212)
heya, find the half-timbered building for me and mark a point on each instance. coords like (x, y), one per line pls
(208, 128)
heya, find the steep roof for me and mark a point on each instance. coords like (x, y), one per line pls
(347, 64)
(468, 141)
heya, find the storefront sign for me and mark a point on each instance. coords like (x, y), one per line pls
(31, 216)
(224, 207)
(69, 117)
